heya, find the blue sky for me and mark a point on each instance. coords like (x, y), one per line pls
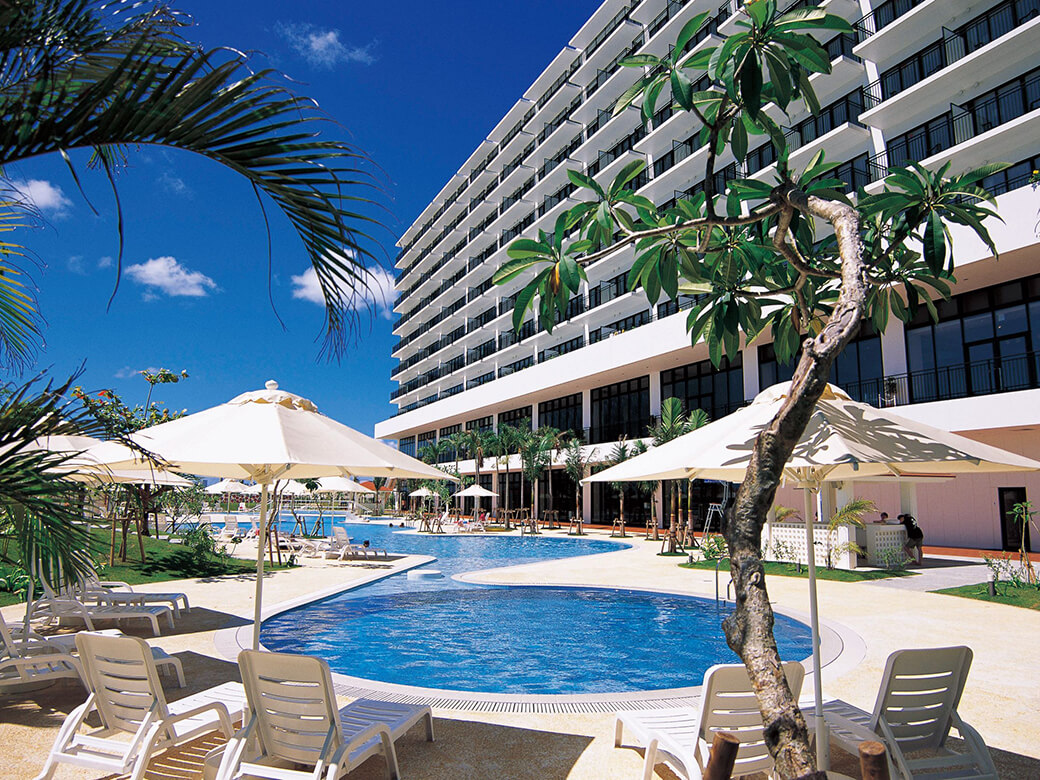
(415, 84)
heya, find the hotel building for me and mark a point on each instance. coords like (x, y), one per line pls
(926, 80)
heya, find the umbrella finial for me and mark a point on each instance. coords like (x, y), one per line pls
(270, 384)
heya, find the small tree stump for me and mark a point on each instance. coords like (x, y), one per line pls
(723, 755)
(873, 761)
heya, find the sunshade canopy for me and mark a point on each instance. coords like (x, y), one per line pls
(476, 491)
(844, 439)
(341, 485)
(227, 486)
(268, 434)
(81, 466)
(422, 493)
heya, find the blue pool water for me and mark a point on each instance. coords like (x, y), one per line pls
(446, 634)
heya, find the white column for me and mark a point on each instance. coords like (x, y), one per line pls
(908, 498)
(586, 502)
(655, 393)
(750, 362)
(893, 348)
(586, 408)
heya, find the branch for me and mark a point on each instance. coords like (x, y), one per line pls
(693, 224)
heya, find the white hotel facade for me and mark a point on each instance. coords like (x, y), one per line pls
(928, 80)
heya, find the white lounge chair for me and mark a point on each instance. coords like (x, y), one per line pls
(26, 661)
(915, 710)
(128, 699)
(122, 593)
(230, 531)
(52, 609)
(342, 548)
(293, 720)
(682, 735)
(16, 642)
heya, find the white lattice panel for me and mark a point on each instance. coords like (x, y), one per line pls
(884, 540)
(792, 536)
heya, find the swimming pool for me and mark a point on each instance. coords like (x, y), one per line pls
(453, 635)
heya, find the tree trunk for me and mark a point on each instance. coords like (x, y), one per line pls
(749, 629)
(673, 522)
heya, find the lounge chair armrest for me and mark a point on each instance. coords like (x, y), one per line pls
(847, 732)
(219, 707)
(342, 755)
(116, 584)
(975, 742)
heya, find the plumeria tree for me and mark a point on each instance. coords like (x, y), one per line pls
(796, 256)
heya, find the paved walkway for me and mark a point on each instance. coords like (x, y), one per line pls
(1000, 699)
(938, 573)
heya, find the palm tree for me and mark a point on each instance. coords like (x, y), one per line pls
(512, 440)
(39, 506)
(673, 423)
(550, 439)
(476, 444)
(647, 488)
(110, 76)
(619, 453)
(496, 450)
(576, 466)
(532, 462)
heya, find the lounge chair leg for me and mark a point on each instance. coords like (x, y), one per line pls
(393, 771)
(651, 760)
(618, 727)
(429, 727)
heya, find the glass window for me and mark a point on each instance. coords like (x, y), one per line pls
(701, 386)
(564, 414)
(621, 409)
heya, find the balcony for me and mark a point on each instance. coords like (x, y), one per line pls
(897, 27)
(964, 380)
(949, 67)
(631, 429)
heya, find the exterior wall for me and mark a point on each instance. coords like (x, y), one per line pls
(463, 233)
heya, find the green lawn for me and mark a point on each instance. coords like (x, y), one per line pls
(164, 561)
(774, 569)
(1029, 598)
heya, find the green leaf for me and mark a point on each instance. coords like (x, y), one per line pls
(934, 243)
(625, 175)
(739, 139)
(682, 89)
(640, 61)
(689, 29)
(581, 180)
(513, 268)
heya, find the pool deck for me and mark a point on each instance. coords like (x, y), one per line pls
(875, 618)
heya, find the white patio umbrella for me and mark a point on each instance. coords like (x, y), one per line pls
(422, 493)
(226, 486)
(476, 491)
(843, 440)
(341, 485)
(268, 435)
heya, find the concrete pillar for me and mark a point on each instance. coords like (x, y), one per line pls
(908, 498)
(893, 348)
(655, 393)
(586, 408)
(750, 362)
(586, 502)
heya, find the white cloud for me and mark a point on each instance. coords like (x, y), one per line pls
(175, 184)
(380, 293)
(165, 274)
(47, 197)
(75, 264)
(322, 47)
(105, 262)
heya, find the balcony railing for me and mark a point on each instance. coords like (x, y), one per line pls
(612, 431)
(884, 15)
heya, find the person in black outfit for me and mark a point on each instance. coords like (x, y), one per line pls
(914, 547)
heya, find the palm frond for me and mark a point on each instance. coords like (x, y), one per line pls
(37, 501)
(97, 75)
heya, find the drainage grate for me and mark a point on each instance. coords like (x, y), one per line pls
(563, 705)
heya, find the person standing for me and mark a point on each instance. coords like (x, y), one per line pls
(914, 547)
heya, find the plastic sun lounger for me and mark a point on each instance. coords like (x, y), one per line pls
(293, 720)
(682, 735)
(57, 608)
(128, 699)
(116, 592)
(915, 710)
(16, 642)
(26, 661)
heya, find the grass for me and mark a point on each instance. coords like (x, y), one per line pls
(164, 561)
(1025, 597)
(775, 569)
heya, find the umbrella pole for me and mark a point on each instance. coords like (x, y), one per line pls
(822, 737)
(257, 606)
